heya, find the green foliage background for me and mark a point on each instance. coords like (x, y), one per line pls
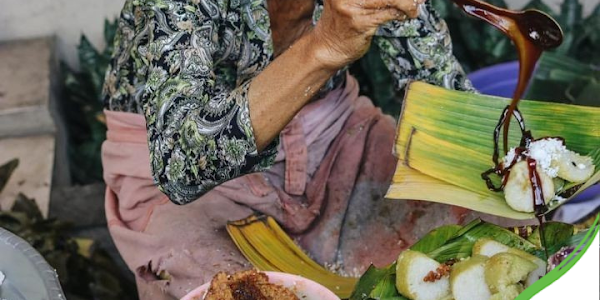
(83, 107)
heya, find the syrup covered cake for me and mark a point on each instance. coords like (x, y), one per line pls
(246, 285)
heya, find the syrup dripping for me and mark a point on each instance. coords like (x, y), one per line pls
(532, 32)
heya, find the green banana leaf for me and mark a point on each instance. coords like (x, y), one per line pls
(555, 233)
(386, 288)
(572, 241)
(461, 245)
(370, 280)
(436, 238)
(453, 242)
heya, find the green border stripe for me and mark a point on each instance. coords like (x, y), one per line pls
(565, 266)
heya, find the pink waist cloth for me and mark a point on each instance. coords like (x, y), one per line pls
(126, 163)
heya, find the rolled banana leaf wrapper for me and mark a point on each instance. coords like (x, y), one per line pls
(445, 141)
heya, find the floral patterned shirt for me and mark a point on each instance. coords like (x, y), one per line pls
(186, 66)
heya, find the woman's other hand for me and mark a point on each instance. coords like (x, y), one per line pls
(344, 32)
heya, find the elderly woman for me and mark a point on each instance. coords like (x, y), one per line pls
(234, 107)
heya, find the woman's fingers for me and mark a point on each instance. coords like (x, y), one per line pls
(347, 26)
(382, 16)
(374, 18)
(409, 7)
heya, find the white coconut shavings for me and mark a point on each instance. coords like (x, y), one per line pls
(510, 156)
(545, 151)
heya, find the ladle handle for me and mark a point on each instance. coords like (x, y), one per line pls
(500, 18)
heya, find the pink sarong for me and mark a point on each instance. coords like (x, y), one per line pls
(326, 189)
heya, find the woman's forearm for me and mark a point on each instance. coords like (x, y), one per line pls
(284, 87)
(342, 35)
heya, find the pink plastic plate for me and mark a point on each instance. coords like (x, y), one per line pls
(305, 289)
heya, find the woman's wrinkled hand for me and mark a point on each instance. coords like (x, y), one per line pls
(345, 30)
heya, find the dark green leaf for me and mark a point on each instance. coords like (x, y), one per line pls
(6, 171)
(562, 79)
(436, 238)
(13, 222)
(88, 55)
(555, 233)
(110, 31)
(461, 246)
(59, 260)
(443, 8)
(571, 13)
(370, 280)
(386, 289)
(590, 95)
(572, 241)
(83, 104)
(28, 207)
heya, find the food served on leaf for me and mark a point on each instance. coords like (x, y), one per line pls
(462, 124)
(467, 279)
(478, 261)
(420, 277)
(246, 285)
(503, 275)
(539, 170)
(489, 248)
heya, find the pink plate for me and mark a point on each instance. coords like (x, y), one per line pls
(305, 289)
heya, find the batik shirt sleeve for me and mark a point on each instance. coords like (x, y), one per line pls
(195, 104)
(421, 49)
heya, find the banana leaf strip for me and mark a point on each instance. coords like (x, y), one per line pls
(266, 245)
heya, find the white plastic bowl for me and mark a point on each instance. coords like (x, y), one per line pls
(28, 275)
(304, 288)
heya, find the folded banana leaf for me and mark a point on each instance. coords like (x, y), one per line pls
(444, 142)
(455, 242)
(264, 243)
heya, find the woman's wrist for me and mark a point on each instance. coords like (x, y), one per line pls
(324, 52)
